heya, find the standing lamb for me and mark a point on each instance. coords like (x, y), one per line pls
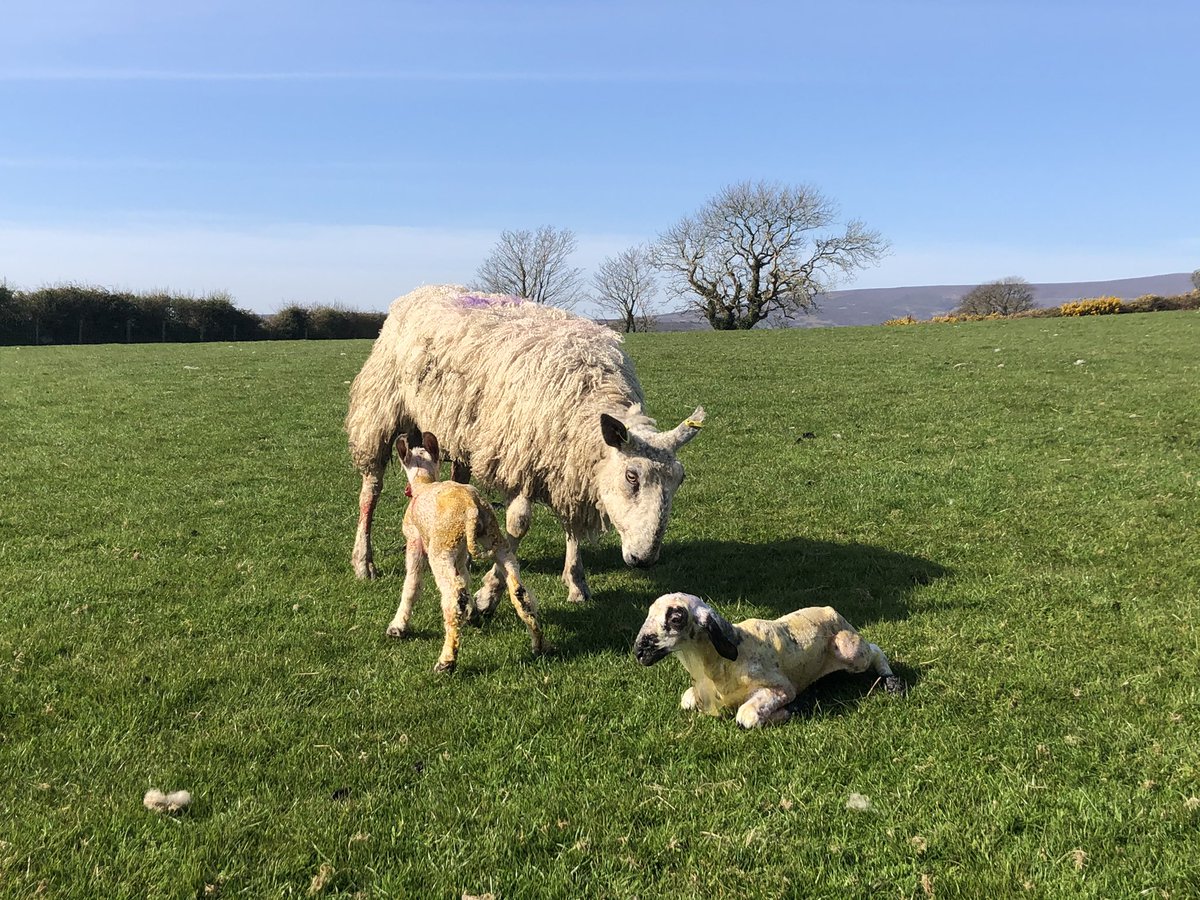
(539, 404)
(443, 523)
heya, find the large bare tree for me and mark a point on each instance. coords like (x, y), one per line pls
(763, 248)
(625, 287)
(535, 265)
(1004, 297)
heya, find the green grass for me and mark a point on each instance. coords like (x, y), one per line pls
(1019, 532)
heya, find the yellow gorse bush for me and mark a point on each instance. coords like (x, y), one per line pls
(1097, 306)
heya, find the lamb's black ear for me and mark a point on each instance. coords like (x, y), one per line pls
(720, 632)
(402, 447)
(614, 431)
(430, 443)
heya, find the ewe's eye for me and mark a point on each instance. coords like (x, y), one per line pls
(632, 477)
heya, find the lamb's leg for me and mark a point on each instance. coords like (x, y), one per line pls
(522, 599)
(766, 706)
(414, 569)
(573, 575)
(456, 602)
(516, 525)
(852, 654)
(372, 485)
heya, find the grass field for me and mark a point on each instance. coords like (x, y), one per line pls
(1011, 510)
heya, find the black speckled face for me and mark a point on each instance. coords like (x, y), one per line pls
(667, 621)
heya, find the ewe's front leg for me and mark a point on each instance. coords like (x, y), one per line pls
(573, 575)
(368, 496)
(516, 524)
(766, 706)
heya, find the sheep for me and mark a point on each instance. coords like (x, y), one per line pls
(539, 404)
(757, 666)
(443, 523)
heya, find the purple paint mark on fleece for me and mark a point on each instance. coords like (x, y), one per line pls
(473, 301)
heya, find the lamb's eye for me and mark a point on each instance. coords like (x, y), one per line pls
(632, 477)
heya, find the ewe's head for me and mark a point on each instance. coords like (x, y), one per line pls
(638, 477)
(420, 456)
(675, 620)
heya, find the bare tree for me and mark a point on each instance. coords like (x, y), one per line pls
(758, 249)
(1004, 297)
(534, 265)
(625, 287)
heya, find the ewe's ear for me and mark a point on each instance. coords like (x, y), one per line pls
(614, 431)
(720, 632)
(430, 443)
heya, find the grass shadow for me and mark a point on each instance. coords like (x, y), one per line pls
(864, 583)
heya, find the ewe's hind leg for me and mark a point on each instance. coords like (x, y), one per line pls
(522, 600)
(852, 654)
(449, 574)
(372, 484)
(414, 569)
(766, 706)
(573, 575)
(516, 524)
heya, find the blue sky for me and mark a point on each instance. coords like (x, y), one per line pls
(317, 152)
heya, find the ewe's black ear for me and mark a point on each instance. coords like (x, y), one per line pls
(720, 632)
(614, 431)
(430, 443)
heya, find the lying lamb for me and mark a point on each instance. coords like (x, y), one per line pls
(759, 665)
(443, 523)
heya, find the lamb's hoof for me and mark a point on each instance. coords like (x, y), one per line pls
(444, 667)
(395, 631)
(894, 684)
(748, 719)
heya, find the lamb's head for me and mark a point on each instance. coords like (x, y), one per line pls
(420, 456)
(638, 477)
(675, 620)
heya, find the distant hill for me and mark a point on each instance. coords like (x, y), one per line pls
(873, 306)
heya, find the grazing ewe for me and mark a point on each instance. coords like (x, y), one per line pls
(541, 405)
(759, 665)
(443, 523)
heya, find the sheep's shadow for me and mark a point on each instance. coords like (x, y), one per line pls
(864, 583)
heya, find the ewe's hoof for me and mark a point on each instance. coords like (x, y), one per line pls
(366, 572)
(577, 596)
(894, 684)
(444, 668)
(395, 631)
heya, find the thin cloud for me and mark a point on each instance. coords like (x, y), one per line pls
(413, 76)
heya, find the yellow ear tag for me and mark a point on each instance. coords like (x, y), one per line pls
(692, 423)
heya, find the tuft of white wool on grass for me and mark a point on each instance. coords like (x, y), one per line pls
(176, 801)
(858, 803)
